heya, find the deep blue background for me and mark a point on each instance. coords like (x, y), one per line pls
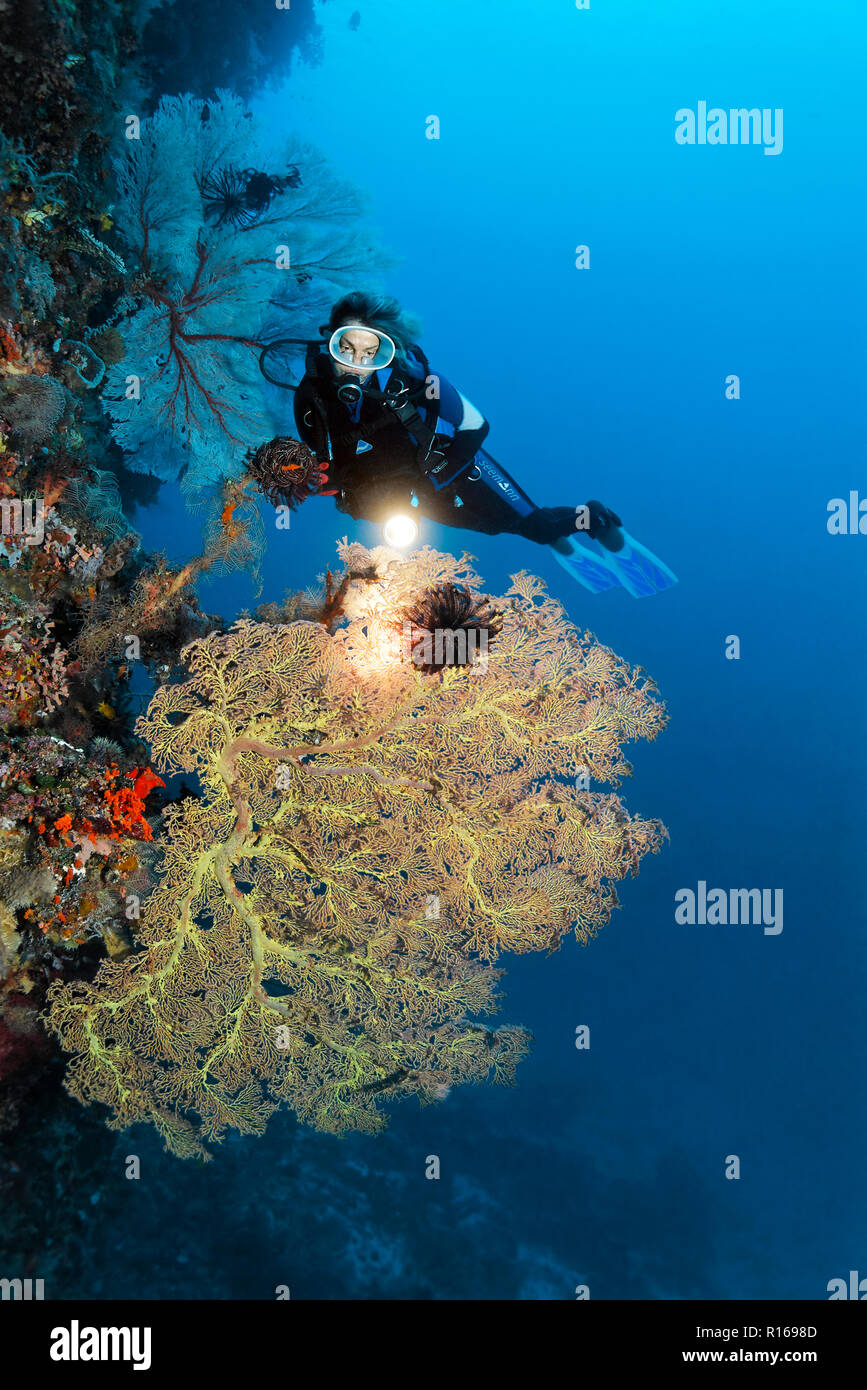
(557, 128)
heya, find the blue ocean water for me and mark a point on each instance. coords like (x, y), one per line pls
(607, 1167)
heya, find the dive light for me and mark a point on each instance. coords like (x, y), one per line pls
(399, 531)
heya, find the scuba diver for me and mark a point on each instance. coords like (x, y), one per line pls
(390, 435)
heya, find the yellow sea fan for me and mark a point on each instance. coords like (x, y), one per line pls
(369, 839)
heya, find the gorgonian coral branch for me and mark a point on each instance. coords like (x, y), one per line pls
(371, 837)
(228, 256)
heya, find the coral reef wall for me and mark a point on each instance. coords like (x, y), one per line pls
(371, 818)
(138, 268)
(77, 796)
(199, 45)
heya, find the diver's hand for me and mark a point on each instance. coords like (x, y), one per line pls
(463, 446)
(455, 449)
(604, 525)
(437, 454)
(317, 483)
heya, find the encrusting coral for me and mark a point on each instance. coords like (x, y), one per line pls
(71, 825)
(32, 666)
(371, 836)
(160, 608)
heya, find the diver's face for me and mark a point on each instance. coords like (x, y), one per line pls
(358, 348)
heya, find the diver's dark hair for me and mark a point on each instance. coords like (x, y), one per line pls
(376, 311)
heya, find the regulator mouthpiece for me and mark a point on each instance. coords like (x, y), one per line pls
(350, 393)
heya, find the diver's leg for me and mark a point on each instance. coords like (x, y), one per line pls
(487, 488)
(484, 497)
(492, 515)
(548, 524)
(467, 510)
(491, 519)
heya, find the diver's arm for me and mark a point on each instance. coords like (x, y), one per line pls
(312, 430)
(469, 425)
(304, 416)
(470, 434)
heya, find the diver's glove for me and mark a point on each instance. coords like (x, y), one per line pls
(604, 525)
(318, 483)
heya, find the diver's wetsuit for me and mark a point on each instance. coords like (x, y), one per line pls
(470, 492)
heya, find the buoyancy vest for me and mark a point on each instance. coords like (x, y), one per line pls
(398, 424)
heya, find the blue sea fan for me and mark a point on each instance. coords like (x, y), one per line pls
(187, 400)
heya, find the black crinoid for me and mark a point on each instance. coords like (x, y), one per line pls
(240, 196)
(285, 470)
(448, 626)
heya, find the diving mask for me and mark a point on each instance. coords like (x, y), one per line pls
(359, 351)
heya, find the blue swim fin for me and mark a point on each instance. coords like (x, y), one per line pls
(633, 567)
(578, 561)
